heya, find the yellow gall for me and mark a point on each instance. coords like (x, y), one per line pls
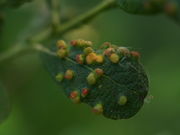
(62, 53)
(88, 50)
(61, 44)
(91, 79)
(69, 74)
(59, 77)
(98, 109)
(122, 100)
(99, 58)
(91, 58)
(114, 58)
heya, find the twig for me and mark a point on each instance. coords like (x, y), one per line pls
(88, 16)
(18, 50)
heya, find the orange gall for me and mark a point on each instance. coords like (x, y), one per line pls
(74, 96)
(135, 54)
(80, 59)
(109, 51)
(99, 71)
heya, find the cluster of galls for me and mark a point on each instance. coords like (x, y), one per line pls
(89, 56)
(62, 51)
(115, 53)
(68, 75)
(74, 95)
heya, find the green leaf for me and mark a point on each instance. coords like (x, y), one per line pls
(169, 7)
(4, 104)
(111, 80)
(139, 6)
(1, 23)
(12, 3)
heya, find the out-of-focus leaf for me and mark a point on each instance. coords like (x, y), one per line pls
(1, 23)
(12, 3)
(114, 87)
(4, 104)
(169, 7)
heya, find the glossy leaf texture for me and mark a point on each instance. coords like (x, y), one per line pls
(4, 104)
(110, 79)
(169, 7)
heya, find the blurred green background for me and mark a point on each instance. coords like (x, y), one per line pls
(39, 107)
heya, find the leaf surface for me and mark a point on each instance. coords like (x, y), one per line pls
(118, 93)
(4, 104)
(169, 7)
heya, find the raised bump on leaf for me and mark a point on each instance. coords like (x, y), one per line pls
(98, 108)
(91, 58)
(88, 50)
(80, 58)
(99, 72)
(81, 43)
(75, 96)
(122, 100)
(114, 58)
(84, 92)
(109, 51)
(124, 50)
(105, 45)
(62, 53)
(99, 58)
(61, 44)
(91, 78)
(105, 92)
(69, 74)
(135, 54)
(59, 77)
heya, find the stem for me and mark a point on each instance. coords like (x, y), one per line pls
(44, 34)
(14, 52)
(55, 6)
(86, 17)
(19, 50)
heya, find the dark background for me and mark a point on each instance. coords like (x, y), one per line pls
(39, 107)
